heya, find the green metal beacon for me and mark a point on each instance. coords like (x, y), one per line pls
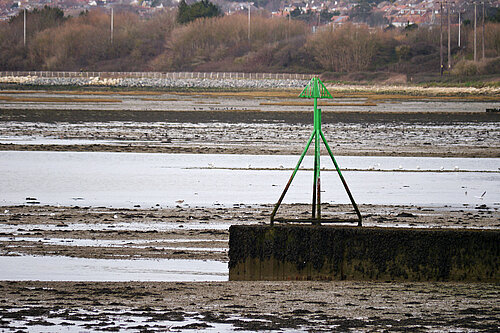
(316, 89)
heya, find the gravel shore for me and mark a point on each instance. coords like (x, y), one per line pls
(156, 83)
(250, 84)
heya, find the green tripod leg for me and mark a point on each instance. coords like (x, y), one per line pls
(342, 179)
(291, 178)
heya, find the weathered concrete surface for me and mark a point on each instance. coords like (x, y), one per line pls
(293, 252)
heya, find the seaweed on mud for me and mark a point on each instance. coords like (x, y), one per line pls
(474, 311)
(212, 317)
(39, 322)
(167, 315)
(192, 326)
(237, 306)
(252, 325)
(299, 312)
(30, 312)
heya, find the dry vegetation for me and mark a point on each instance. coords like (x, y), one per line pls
(59, 99)
(346, 49)
(55, 42)
(208, 44)
(319, 104)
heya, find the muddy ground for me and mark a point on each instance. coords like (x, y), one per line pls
(245, 132)
(150, 233)
(249, 306)
(252, 122)
(224, 306)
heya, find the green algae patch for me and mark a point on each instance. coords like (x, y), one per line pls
(306, 252)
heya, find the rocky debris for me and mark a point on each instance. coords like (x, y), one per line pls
(405, 214)
(156, 83)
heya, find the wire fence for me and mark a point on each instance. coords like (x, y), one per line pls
(159, 75)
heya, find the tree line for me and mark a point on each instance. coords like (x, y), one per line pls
(167, 41)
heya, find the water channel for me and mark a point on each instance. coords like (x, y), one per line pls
(127, 180)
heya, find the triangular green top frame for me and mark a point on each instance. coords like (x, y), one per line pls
(315, 89)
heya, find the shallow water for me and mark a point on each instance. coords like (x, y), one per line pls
(126, 180)
(125, 243)
(51, 268)
(125, 322)
(119, 226)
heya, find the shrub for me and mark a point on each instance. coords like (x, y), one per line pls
(465, 68)
(345, 49)
(211, 40)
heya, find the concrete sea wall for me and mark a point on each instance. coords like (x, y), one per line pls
(305, 252)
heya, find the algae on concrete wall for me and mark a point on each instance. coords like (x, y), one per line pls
(305, 252)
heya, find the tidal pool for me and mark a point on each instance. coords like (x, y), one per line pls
(58, 268)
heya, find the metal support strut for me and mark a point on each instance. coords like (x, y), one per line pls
(315, 89)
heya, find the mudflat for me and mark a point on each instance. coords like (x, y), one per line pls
(185, 232)
(250, 132)
(208, 123)
(250, 306)
(196, 233)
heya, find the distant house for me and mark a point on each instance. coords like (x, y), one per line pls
(339, 20)
(299, 5)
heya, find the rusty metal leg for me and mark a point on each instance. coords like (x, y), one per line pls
(291, 178)
(342, 179)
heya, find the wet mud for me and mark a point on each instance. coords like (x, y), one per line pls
(185, 232)
(250, 306)
(223, 306)
(233, 132)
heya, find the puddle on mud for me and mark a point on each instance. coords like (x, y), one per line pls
(118, 226)
(78, 320)
(156, 244)
(57, 268)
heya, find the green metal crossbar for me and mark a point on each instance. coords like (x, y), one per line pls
(316, 89)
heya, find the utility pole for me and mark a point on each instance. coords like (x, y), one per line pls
(475, 31)
(441, 41)
(449, 38)
(483, 31)
(112, 24)
(24, 33)
(288, 27)
(459, 26)
(249, 21)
